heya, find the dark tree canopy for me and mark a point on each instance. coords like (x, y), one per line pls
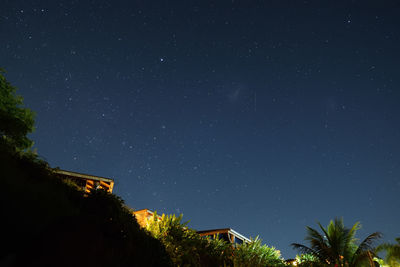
(16, 121)
(336, 245)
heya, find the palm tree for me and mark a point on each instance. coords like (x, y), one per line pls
(392, 252)
(337, 245)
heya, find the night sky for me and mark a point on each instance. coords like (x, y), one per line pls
(262, 116)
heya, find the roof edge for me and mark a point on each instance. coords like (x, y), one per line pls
(82, 175)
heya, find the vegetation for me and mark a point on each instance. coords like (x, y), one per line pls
(392, 251)
(256, 254)
(307, 260)
(337, 245)
(51, 223)
(16, 121)
(187, 248)
(47, 222)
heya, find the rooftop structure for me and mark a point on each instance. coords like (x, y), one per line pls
(142, 216)
(227, 234)
(86, 181)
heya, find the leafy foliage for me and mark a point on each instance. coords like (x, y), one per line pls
(16, 122)
(337, 245)
(307, 260)
(47, 222)
(256, 254)
(392, 257)
(185, 246)
(50, 223)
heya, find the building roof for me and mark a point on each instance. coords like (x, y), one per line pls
(142, 216)
(223, 230)
(84, 176)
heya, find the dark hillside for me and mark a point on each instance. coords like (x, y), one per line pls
(47, 222)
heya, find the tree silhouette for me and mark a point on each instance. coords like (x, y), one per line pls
(48, 222)
(392, 252)
(337, 245)
(16, 121)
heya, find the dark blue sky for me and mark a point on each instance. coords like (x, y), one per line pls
(262, 116)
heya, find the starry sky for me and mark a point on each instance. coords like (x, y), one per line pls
(262, 116)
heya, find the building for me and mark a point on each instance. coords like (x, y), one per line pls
(85, 181)
(88, 182)
(142, 216)
(226, 234)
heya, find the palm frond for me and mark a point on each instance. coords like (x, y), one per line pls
(325, 231)
(383, 247)
(336, 236)
(337, 244)
(366, 244)
(350, 241)
(365, 249)
(318, 243)
(305, 250)
(313, 234)
(365, 258)
(392, 251)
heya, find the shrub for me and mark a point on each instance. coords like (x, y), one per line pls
(185, 246)
(255, 254)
